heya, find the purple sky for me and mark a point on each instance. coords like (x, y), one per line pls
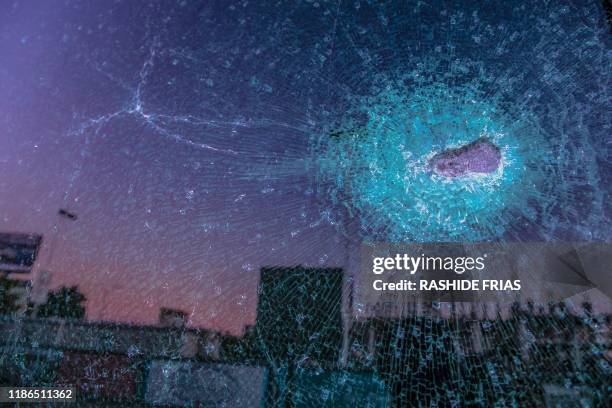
(165, 218)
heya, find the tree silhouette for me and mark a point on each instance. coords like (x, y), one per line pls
(8, 300)
(65, 303)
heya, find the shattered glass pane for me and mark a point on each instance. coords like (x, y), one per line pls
(186, 186)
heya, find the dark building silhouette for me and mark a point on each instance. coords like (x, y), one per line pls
(172, 318)
(299, 314)
(18, 252)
